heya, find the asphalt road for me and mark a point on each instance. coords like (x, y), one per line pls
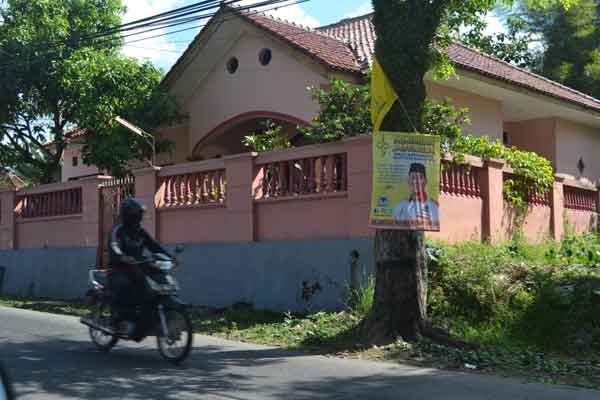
(50, 357)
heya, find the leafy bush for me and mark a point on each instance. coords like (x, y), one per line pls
(533, 297)
(269, 137)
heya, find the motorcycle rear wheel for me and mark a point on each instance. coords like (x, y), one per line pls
(103, 341)
(178, 345)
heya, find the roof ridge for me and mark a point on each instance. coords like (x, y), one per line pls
(346, 21)
(530, 73)
(295, 25)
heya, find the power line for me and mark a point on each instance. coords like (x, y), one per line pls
(107, 42)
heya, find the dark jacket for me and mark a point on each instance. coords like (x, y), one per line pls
(131, 242)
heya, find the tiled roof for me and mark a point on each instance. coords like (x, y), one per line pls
(360, 33)
(349, 46)
(71, 135)
(332, 51)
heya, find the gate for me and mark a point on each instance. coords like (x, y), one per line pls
(112, 193)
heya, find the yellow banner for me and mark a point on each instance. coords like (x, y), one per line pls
(406, 181)
(383, 95)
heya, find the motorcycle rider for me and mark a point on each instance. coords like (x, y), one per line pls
(127, 243)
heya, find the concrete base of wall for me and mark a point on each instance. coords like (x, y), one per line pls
(277, 275)
(53, 273)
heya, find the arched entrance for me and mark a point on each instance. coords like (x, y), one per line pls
(226, 139)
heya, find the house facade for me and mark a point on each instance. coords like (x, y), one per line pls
(243, 68)
(265, 228)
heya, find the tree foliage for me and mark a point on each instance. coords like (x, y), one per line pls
(52, 80)
(270, 137)
(512, 46)
(345, 111)
(571, 43)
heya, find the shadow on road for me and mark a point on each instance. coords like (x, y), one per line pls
(75, 369)
(55, 367)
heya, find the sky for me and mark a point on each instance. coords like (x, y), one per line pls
(164, 51)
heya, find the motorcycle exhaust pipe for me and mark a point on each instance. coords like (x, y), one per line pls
(94, 325)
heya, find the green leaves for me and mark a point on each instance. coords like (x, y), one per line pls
(269, 138)
(345, 111)
(50, 83)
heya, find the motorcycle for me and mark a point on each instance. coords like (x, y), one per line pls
(169, 321)
(6, 390)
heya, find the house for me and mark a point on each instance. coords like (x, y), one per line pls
(266, 228)
(244, 67)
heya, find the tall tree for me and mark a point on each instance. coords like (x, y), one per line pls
(53, 79)
(410, 34)
(512, 46)
(572, 46)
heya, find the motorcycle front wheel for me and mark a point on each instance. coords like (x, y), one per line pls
(101, 316)
(177, 346)
(6, 391)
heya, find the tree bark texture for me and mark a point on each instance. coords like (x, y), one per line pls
(405, 32)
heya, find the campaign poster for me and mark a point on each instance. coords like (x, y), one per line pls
(406, 181)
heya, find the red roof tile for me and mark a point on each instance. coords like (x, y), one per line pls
(349, 46)
(360, 33)
(332, 51)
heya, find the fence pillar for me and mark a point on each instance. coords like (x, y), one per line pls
(7, 220)
(145, 190)
(492, 184)
(239, 173)
(359, 169)
(90, 209)
(558, 208)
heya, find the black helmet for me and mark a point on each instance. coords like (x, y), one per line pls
(132, 211)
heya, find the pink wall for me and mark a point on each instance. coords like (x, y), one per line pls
(575, 141)
(460, 219)
(68, 170)
(485, 113)
(195, 225)
(79, 230)
(536, 135)
(42, 232)
(581, 221)
(316, 218)
(251, 210)
(179, 135)
(279, 87)
(7, 216)
(537, 223)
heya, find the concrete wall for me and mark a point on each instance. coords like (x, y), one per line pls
(485, 113)
(580, 222)
(278, 87)
(54, 273)
(575, 141)
(460, 219)
(179, 135)
(536, 135)
(67, 231)
(271, 274)
(68, 170)
(300, 219)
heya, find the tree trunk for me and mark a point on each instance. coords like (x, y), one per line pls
(405, 31)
